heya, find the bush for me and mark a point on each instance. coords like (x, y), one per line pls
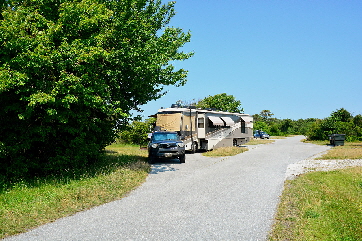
(137, 132)
(340, 122)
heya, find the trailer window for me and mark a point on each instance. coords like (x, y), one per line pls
(243, 126)
(200, 123)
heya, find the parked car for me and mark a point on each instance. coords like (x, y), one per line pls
(165, 144)
(261, 134)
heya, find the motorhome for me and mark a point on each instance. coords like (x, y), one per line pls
(205, 129)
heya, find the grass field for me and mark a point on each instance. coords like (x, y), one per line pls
(259, 141)
(350, 150)
(28, 204)
(225, 151)
(323, 205)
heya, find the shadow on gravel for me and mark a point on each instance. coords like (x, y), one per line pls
(164, 166)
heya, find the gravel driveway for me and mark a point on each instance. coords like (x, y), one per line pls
(228, 198)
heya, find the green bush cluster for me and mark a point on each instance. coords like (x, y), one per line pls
(339, 122)
(137, 132)
(284, 127)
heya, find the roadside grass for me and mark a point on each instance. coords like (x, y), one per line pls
(322, 143)
(259, 141)
(26, 204)
(225, 151)
(321, 206)
(350, 150)
(232, 151)
(278, 137)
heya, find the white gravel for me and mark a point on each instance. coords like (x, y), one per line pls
(311, 164)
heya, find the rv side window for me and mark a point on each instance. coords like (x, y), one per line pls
(243, 127)
(201, 123)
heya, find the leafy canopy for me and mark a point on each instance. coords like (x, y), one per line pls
(71, 72)
(222, 102)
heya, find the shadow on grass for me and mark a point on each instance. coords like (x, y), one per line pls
(107, 163)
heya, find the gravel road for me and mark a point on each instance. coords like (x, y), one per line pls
(225, 198)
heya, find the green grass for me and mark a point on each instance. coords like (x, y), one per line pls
(318, 142)
(232, 151)
(321, 206)
(350, 150)
(278, 137)
(28, 204)
(259, 141)
(225, 151)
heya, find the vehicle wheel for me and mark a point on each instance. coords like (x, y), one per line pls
(182, 158)
(151, 159)
(193, 147)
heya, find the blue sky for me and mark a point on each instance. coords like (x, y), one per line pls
(296, 58)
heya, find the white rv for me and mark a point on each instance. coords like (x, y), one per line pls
(206, 129)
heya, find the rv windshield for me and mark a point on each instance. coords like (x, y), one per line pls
(165, 136)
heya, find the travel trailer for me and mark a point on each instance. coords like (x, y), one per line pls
(205, 129)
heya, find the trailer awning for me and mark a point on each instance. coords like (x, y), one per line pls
(248, 121)
(228, 121)
(216, 121)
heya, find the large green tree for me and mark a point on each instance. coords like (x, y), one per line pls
(222, 102)
(266, 115)
(72, 71)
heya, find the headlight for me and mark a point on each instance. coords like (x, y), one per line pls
(181, 144)
(154, 145)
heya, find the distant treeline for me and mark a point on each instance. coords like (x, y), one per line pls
(339, 122)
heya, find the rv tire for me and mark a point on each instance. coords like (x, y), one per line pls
(151, 159)
(194, 147)
(235, 142)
